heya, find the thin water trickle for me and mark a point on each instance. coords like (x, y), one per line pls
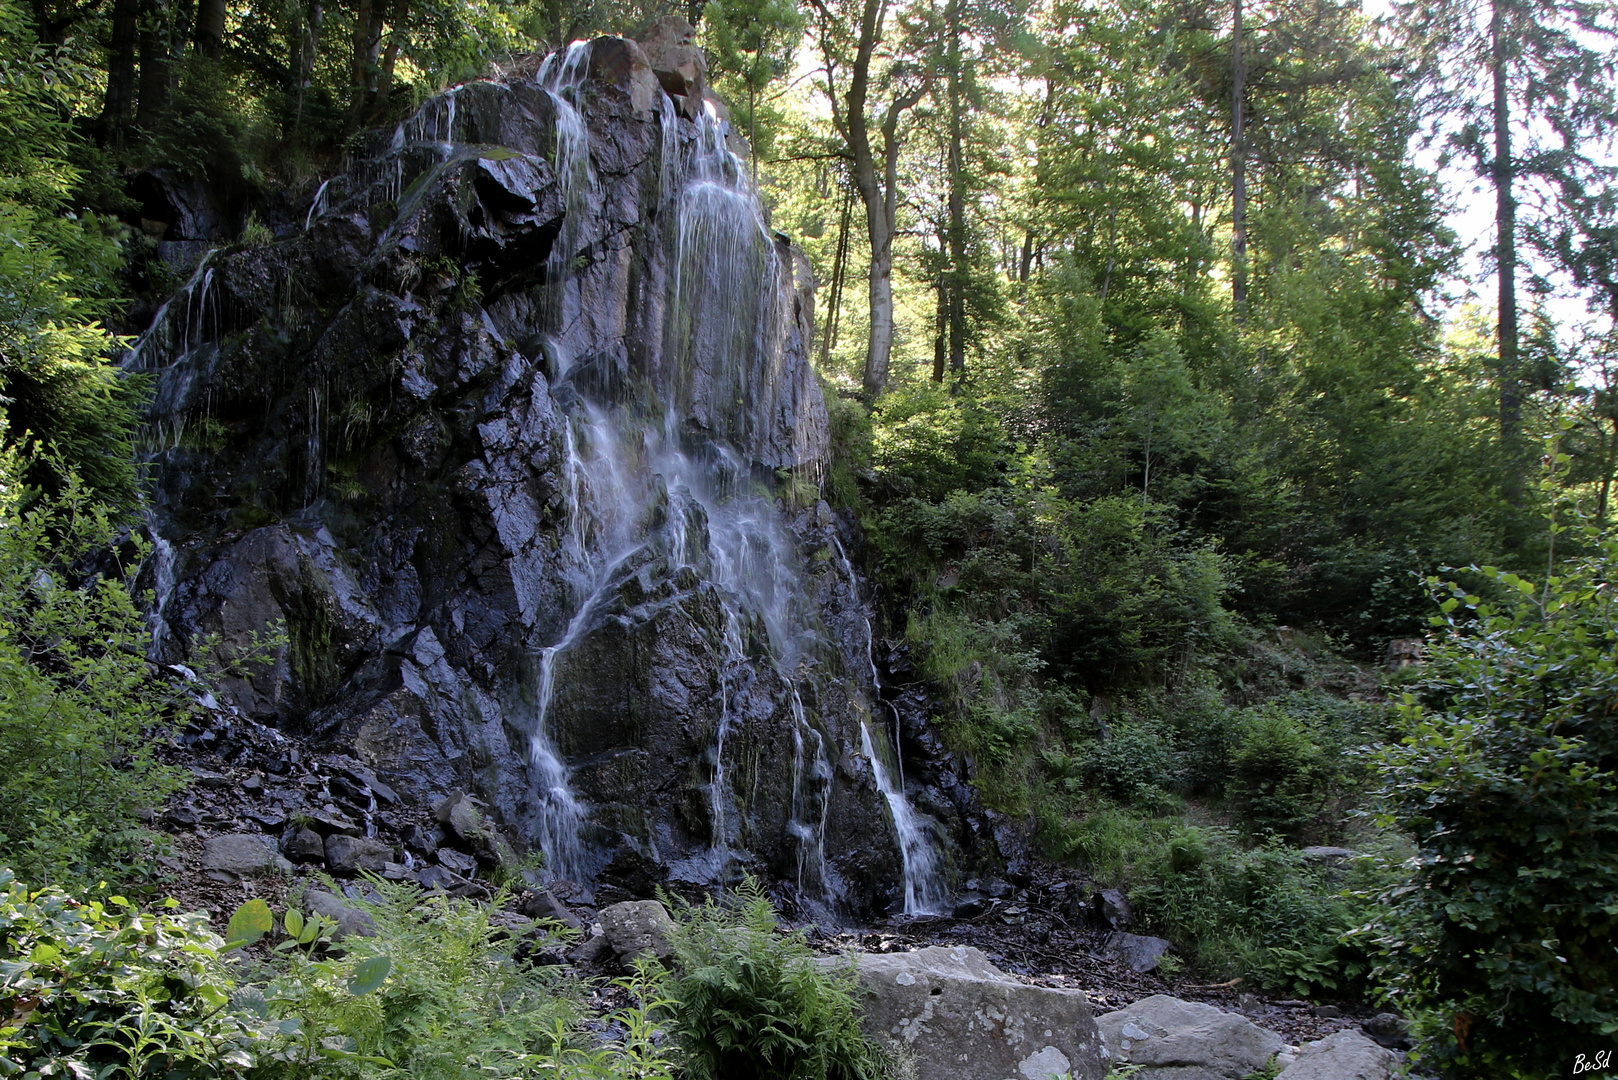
(162, 562)
(926, 889)
(317, 206)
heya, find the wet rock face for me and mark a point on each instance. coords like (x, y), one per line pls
(483, 456)
(964, 1019)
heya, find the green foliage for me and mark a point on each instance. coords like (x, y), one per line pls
(750, 44)
(103, 989)
(1278, 774)
(1507, 779)
(435, 994)
(57, 277)
(748, 1001)
(79, 707)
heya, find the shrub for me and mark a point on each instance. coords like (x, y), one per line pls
(1278, 776)
(1507, 780)
(1134, 765)
(749, 1002)
(103, 989)
(78, 703)
(456, 1003)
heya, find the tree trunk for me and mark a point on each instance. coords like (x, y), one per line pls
(118, 108)
(941, 326)
(363, 70)
(839, 271)
(314, 15)
(211, 29)
(1513, 482)
(958, 270)
(156, 61)
(879, 346)
(384, 87)
(1238, 169)
(877, 223)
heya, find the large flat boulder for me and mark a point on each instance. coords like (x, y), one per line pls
(246, 854)
(638, 927)
(1346, 1055)
(965, 1019)
(1172, 1039)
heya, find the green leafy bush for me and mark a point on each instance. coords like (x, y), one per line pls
(78, 702)
(750, 1002)
(439, 994)
(1278, 776)
(103, 989)
(1507, 779)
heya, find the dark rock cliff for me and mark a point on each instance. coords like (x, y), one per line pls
(518, 441)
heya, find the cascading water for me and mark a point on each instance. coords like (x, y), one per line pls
(637, 365)
(926, 888)
(641, 487)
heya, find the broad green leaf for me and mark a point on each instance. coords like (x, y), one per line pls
(250, 922)
(294, 922)
(369, 975)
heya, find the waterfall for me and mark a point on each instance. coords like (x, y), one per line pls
(641, 489)
(926, 889)
(646, 354)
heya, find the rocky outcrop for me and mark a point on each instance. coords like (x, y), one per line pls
(1346, 1055)
(964, 1019)
(638, 928)
(1170, 1039)
(498, 476)
(243, 854)
(1135, 951)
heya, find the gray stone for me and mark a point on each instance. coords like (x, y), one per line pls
(1346, 1055)
(637, 927)
(347, 855)
(306, 845)
(418, 590)
(1138, 953)
(1329, 855)
(245, 854)
(1113, 906)
(1181, 1040)
(965, 1019)
(542, 905)
(593, 950)
(623, 63)
(671, 52)
(330, 821)
(1390, 1030)
(349, 920)
(463, 814)
(459, 862)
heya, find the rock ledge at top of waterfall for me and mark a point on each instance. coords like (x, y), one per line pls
(497, 434)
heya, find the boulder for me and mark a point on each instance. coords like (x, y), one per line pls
(543, 906)
(616, 61)
(637, 927)
(964, 1019)
(1172, 1039)
(671, 50)
(305, 845)
(347, 855)
(350, 920)
(1346, 1055)
(1388, 1029)
(245, 854)
(1113, 907)
(1138, 953)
